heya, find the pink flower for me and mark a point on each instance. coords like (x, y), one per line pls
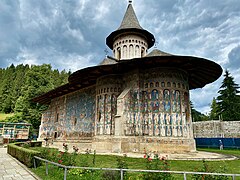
(60, 161)
(149, 159)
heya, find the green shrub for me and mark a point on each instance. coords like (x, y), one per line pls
(24, 155)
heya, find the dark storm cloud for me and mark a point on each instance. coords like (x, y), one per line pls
(234, 58)
(9, 31)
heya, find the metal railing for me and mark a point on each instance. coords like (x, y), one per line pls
(130, 170)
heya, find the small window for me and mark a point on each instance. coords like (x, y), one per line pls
(142, 52)
(168, 84)
(118, 55)
(55, 135)
(75, 121)
(163, 84)
(57, 118)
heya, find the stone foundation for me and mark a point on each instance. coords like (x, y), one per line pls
(106, 144)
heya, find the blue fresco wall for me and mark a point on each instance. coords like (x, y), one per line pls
(70, 117)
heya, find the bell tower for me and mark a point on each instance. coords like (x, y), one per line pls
(130, 40)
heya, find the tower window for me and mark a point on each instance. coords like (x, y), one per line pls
(118, 54)
(142, 52)
(57, 118)
(75, 121)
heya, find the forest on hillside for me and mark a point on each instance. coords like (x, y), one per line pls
(19, 84)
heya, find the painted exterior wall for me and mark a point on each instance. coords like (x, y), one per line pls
(216, 129)
(158, 104)
(70, 117)
(142, 109)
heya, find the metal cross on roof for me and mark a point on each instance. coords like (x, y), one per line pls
(155, 44)
(130, 1)
(106, 52)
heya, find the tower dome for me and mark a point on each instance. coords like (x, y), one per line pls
(130, 40)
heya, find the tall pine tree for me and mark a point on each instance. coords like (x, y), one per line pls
(228, 100)
(214, 110)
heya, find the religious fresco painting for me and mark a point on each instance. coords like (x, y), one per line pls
(133, 101)
(71, 116)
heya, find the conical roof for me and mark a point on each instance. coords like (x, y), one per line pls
(130, 24)
(130, 19)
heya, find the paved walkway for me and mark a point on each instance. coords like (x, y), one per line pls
(11, 169)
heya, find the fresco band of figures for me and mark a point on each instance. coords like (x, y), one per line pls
(157, 112)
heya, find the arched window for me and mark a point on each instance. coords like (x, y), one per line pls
(125, 54)
(118, 55)
(142, 52)
(137, 54)
(131, 52)
(57, 117)
(75, 121)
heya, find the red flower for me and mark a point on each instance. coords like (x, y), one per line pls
(149, 159)
(145, 156)
(60, 161)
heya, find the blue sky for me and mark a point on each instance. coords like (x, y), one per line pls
(70, 34)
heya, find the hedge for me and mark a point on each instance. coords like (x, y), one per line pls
(23, 154)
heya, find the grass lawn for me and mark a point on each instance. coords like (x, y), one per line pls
(4, 116)
(234, 152)
(108, 161)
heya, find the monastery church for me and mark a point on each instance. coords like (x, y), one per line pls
(131, 102)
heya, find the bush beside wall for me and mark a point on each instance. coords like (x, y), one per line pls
(22, 154)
